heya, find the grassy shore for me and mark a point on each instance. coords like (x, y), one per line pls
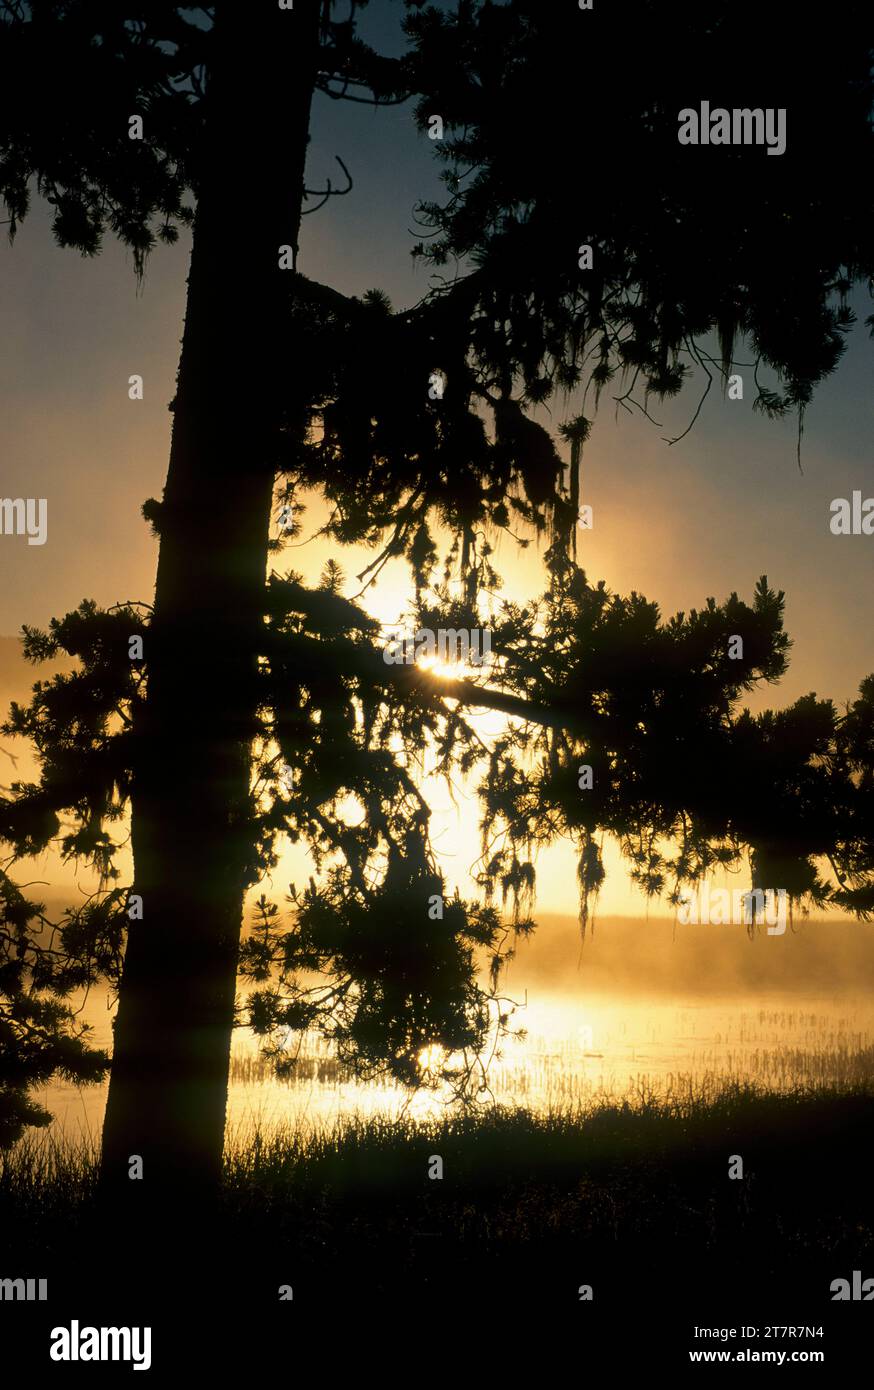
(564, 1192)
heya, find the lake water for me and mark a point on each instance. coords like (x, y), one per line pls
(575, 1049)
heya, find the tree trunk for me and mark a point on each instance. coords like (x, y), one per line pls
(192, 814)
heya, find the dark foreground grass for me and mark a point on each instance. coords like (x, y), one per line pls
(390, 1269)
(555, 1200)
(561, 1196)
(630, 1197)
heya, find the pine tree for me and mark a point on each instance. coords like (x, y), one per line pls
(261, 703)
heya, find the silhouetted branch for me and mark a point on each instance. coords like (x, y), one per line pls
(627, 396)
(362, 101)
(329, 192)
(706, 369)
(355, 658)
(394, 546)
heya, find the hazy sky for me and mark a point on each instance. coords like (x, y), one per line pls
(703, 517)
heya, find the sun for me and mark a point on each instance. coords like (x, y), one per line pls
(452, 670)
(432, 1058)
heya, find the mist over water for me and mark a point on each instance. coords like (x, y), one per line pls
(639, 1008)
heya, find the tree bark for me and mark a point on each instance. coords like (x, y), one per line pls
(192, 815)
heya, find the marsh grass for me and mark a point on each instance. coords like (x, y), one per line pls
(536, 1199)
(777, 1047)
(645, 1170)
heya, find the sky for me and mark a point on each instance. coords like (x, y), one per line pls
(703, 517)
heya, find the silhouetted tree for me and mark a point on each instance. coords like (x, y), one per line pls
(560, 129)
(280, 377)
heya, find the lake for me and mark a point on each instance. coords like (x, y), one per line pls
(576, 1048)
